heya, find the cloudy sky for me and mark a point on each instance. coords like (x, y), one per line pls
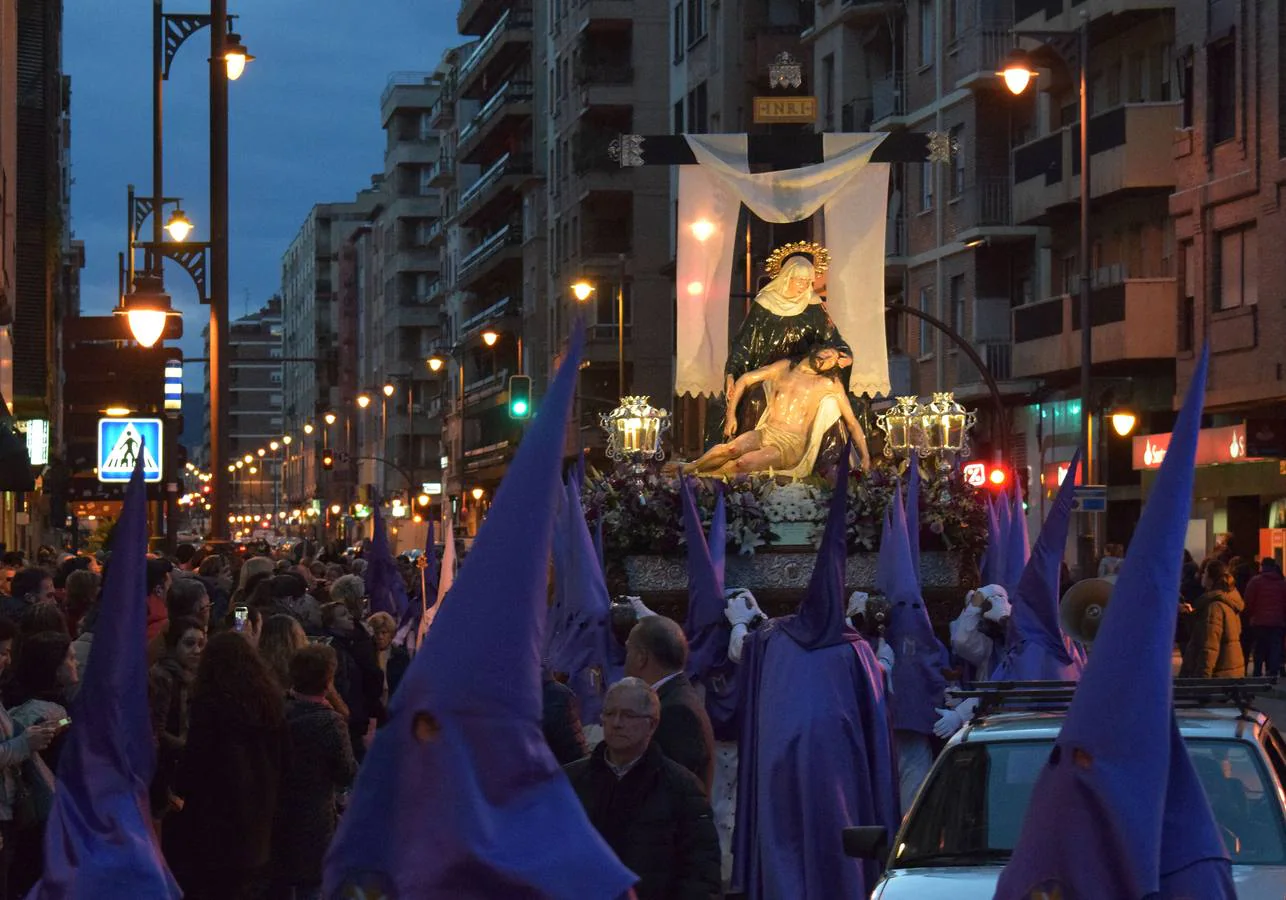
(304, 118)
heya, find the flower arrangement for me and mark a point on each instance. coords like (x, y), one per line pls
(645, 516)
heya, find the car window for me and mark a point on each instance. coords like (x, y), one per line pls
(972, 808)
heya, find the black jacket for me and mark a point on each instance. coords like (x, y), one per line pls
(358, 678)
(657, 820)
(560, 721)
(684, 733)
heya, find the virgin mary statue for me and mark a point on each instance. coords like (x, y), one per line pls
(786, 321)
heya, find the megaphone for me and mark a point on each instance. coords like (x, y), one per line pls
(1080, 612)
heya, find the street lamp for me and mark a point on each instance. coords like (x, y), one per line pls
(1018, 73)
(388, 390)
(477, 493)
(235, 56)
(582, 290)
(330, 418)
(286, 439)
(179, 226)
(308, 428)
(435, 363)
(490, 336)
(363, 400)
(1123, 421)
(146, 307)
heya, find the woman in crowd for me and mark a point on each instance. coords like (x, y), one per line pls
(44, 676)
(17, 748)
(281, 639)
(218, 844)
(307, 811)
(1214, 643)
(169, 684)
(82, 592)
(393, 660)
(359, 680)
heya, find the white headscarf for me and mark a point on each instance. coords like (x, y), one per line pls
(773, 296)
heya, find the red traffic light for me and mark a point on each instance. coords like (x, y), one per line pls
(998, 477)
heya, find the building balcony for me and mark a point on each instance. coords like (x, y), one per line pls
(888, 103)
(414, 206)
(1130, 148)
(415, 312)
(495, 189)
(442, 113)
(475, 17)
(507, 107)
(437, 234)
(498, 248)
(997, 357)
(484, 318)
(412, 152)
(416, 259)
(605, 85)
(984, 210)
(496, 54)
(1134, 320)
(443, 171)
(1065, 15)
(857, 13)
(593, 11)
(979, 55)
(485, 388)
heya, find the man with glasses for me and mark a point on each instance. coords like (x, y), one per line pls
(650, 810)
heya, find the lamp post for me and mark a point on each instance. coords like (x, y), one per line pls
(582, 290)
(1018, 73)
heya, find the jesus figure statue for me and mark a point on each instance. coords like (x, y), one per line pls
(805, 397)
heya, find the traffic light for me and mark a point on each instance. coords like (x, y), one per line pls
(328, 460)
(1023, 476)
(519, 396)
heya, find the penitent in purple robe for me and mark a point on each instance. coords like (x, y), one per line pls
(816, 746)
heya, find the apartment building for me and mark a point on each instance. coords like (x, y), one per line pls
(1228, 157)
(44, 267)
(319, 375)
(607, 226)
(398, 308)
(255, 404)
(495, 254)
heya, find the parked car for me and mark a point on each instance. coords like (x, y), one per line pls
(965, 821)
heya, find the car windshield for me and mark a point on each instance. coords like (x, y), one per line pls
(971, 810)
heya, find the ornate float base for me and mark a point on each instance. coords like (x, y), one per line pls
(779, 578)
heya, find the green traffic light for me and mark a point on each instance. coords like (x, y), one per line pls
(520, 407)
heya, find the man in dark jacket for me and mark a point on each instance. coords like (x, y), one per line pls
(657, 652)
(650, 810)
(1266, 615)
(358, 679)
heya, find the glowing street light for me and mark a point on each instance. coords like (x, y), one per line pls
(582, 290)
(435, 363)
(179, 226)
(1017, 71)
(388, 390)
(308, 428)
(363, 400)
(235, 55)
(490, 336)
(330, 418)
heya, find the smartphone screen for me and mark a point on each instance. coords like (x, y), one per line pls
(64, 722)
(240, 616)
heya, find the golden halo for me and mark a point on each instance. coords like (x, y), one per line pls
(821, 257)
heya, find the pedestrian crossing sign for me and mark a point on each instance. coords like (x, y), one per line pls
(122, 442)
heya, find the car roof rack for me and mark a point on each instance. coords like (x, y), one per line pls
(1046, 696)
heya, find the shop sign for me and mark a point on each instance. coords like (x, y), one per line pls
(1215, 446)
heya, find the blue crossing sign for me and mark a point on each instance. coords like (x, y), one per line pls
(122, 442)
(1090, 498)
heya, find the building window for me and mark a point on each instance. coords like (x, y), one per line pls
(958, 304)
(1070, 280)
(274, 377)
(957, 161)
(955, 20)
(927, 37)
(1237, 277)
(926, 186)
(1188, 296)
(696, 21)
(1185, 89)
(1221, 65)
(605, 305)
(828, 92)
(426, 181)
(926, 339)
(678, 117)
(697, 109)
(677, 28)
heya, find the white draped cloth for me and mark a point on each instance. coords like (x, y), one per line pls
(852, 193)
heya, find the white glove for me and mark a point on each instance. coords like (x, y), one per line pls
(884, 655)
(640, 608)
(952, 720)
(857, 603)
(738, 638)
(742, 607)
